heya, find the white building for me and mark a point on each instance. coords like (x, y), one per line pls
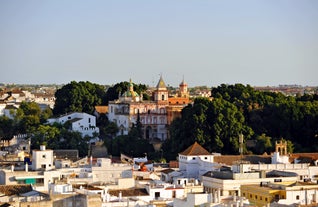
(195, 161)
(42, 159)
(280, 155)
(153, 115)
(80, 122)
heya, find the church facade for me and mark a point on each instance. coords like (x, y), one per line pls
(154, 116)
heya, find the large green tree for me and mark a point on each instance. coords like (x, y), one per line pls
(214, 124)
(276, 115)
(78, 97)
(29, 116)
(7, 128)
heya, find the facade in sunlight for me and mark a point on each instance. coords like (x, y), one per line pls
(155, 115)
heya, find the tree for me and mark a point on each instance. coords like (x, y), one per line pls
(7, 128)
(27, 117)
(263, 144)
(73, 140)
(78, 97)
(46, 135)
(214, 124)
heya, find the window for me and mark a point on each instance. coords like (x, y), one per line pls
(297, 197)
(163, 97)
(43, 156)
(261, 198)
(89, 120)
(173, 194)
(206, 158)
(193, 158)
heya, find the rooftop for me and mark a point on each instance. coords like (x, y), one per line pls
(195, 149)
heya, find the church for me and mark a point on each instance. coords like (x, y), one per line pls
(155, 115)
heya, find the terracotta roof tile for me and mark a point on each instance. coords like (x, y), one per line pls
(167, 171)
(129, 192)
(10, 190)
(195, 149)
(232, 159)
(101, 109)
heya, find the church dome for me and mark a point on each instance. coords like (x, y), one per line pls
(130, 93)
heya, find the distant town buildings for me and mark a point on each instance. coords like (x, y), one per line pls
(46, 177)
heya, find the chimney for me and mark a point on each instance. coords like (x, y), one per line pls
(42, 147)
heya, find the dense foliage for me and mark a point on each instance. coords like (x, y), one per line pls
(132, 144)
(262, 116)
(30, 119)
(216, 123)
(79, 97)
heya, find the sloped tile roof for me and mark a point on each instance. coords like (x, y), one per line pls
(101, 109)
(10, 190)
(304, 157)
(167, 171)
(71, 154)
(232, 159)
(129, 192)
(195, 149)
(161, 84)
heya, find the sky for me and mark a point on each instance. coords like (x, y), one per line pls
(204, 42)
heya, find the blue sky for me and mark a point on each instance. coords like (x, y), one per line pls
(208, 42)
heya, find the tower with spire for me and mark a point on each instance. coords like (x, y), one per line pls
(183, 89)
(160, 94)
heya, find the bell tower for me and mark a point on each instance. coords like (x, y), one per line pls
(160, 94)
(183, 89)
(281, 147)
